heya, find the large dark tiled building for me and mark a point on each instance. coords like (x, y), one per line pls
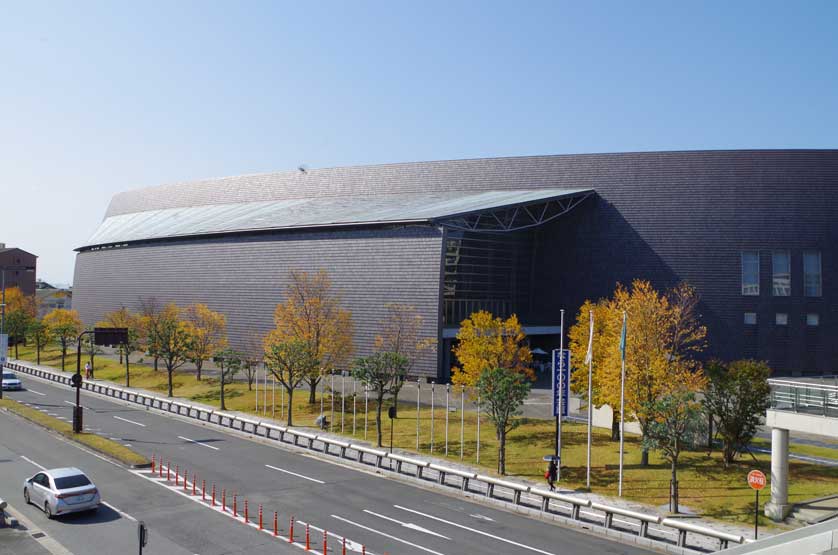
(756, 232)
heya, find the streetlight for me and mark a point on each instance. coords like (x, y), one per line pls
(4, 342)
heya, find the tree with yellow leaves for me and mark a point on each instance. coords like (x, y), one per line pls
(124, 318)
(65, 326)
(209, 334)
(486, 343)
(21, 310)
(173, 340)
(664, 333)
(312, 313)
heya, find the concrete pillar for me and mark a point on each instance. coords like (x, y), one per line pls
(778, 508)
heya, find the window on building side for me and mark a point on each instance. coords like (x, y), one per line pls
(812, 273)
(750, 318)
(750, 273)
(781, 319)
(780, 274)
(813, 319)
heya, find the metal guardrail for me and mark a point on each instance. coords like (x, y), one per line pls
(546, 501)
(804, 397)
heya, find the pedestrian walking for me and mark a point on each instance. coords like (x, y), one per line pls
(87, 374)
(552, 471)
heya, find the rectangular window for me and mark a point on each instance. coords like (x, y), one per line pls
(813, 319)
(812, 273)
(781, 318)
(750, 318)
(780, 274)
(750, 273)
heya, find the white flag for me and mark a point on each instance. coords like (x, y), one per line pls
(590, 354)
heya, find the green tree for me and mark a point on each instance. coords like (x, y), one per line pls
(229, 363)
(503, 390)
(290, 362)
(39, 334)
(382, 372)
(736, 397)
(64, 326)
(17, 322)
(677, 425)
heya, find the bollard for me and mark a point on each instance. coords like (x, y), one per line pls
(363, 550)
(213, 494)
(235, 505)
(203, 490)
(185, 479)
(246, 521)
(169, 471)
(160, 467)
(194, 485)
(224, 499)
(291, 531)
(343, 551)
(325, 542)
(260, 516)
(308, 539)
(177, 472)
(152, 463)
(276, 524)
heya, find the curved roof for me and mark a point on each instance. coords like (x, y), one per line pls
(407, 191)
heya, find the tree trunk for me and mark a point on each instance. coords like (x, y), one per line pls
(290, 404)
(223, 406)
(709, 432)
(155, 363)
(63, 356)
(502, 453)
(170, 371)
(644, 457)
(198, 365)
(38, 353)
(615, 427)
(396, 402)
(312, 391)
(120, 355)
(675, 485)
(16, 355)
(127, 372)
(378, 416)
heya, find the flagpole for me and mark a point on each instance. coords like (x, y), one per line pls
(590, 394)
(560, 384)
(622, 402)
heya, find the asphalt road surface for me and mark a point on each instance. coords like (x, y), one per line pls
(384, 515)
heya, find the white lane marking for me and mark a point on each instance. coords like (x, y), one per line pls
(30, 461)
(37, 392)
(482, 517)
(129, 421)
(127, 445)
(121, 513)
(386, 535)
(201, 443)
(408, 525)
(476, 531)
(295, 474)
(115, 438)
(72, 404)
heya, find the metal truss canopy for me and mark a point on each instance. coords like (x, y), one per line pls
(515, 218)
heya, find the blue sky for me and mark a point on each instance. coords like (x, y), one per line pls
(96, 98)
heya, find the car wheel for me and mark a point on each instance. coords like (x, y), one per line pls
(47, 510)
(26, 496)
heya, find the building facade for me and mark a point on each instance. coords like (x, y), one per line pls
(754, 231)
(18, 269)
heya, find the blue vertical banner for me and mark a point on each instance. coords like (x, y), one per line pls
(561, 380)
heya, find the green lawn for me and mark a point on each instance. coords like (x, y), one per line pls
(706, 486)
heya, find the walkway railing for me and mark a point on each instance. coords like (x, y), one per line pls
(804, 397)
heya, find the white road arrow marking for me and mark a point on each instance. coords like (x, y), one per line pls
(408, 525)
(380, 533)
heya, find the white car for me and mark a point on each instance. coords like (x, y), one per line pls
(61, 491)
(10, 381)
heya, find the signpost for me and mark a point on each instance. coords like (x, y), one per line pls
(561, 382)
(757, 481)
(101, 336)
(391, 412)
(4, 348)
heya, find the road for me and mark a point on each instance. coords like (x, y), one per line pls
(177, 525)
(384, 515)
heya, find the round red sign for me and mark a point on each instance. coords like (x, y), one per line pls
(756, 479)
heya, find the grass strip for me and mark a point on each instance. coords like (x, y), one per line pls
(103, 445)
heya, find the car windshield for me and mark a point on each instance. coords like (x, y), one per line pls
(69, 482)
(8, 376)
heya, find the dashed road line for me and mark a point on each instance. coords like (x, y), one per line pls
(201, 443)
(129, 421)
(295, 474)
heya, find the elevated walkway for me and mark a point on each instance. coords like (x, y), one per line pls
(798, 406)
(821, 539)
